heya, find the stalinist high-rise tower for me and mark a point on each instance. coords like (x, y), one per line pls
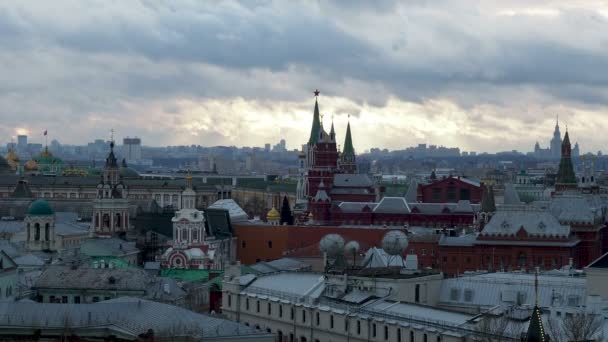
(556, 142)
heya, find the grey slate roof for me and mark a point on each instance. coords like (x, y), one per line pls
(11, 226)
(107, 247)
(507, 221)
(283, 264)
(130, 316)
(393, 205)
(577, 208)
(237, 214)
(511, 197)
(57, 276)
(355, 207)
(463, 240)
(411, 196)
(351, 180)
(11, 249)
(463, 206)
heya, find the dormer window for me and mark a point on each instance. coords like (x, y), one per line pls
(505, 225)
(541, 226)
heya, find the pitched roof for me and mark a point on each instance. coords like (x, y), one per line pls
(411, 196)
(508, 221)
(108, 247)
(601, 262)
(511, 197)
(351, 180)
(125, 315)
(237, 214)
(392, 205)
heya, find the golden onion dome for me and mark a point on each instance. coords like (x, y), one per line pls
(273, 215)
(12, 159)
(31, 165)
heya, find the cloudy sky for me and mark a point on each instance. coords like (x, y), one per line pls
(481, 75)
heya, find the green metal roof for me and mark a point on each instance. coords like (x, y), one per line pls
(349, 149)
(185, 274)
(316, 125)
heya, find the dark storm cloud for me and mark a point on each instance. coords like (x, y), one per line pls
(95, 59)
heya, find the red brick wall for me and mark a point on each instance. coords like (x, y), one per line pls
(426, 192)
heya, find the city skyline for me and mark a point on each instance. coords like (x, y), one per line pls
(188, 75)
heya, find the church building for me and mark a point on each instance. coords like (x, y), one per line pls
(111, 207)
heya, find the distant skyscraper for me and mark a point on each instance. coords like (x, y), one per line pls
(556, 142)
(554, 150)
(22, 142)
(131, 149)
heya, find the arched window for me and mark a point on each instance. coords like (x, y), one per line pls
(106, 221)
(118, 220)
(46, 232)
(37, 233)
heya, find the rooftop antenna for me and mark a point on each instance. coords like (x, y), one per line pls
(536, 286)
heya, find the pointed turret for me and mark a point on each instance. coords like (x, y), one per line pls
(315, 131)
(566, 178)
(487, 202)
(332, 132)
(349, 163)
(111, 159)
(536, 331)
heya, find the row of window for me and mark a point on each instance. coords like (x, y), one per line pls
(8, 292)
(65, 299)
(412, 334)
(317, 318)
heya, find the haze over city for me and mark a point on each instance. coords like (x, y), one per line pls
(483, 76)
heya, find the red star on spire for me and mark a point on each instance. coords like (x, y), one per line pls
(316, 92)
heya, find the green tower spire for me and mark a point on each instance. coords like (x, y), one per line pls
(565, 173)
(349, 150)
(316, 122)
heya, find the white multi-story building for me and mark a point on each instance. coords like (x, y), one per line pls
(391, 305)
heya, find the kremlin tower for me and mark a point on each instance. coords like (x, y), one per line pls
(566, 179)
(330, 177)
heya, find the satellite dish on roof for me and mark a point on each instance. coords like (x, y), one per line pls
(332, 245)
(352, 247)
(394, 242)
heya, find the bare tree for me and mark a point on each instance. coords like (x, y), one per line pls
(493, 329)
(577, 327)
